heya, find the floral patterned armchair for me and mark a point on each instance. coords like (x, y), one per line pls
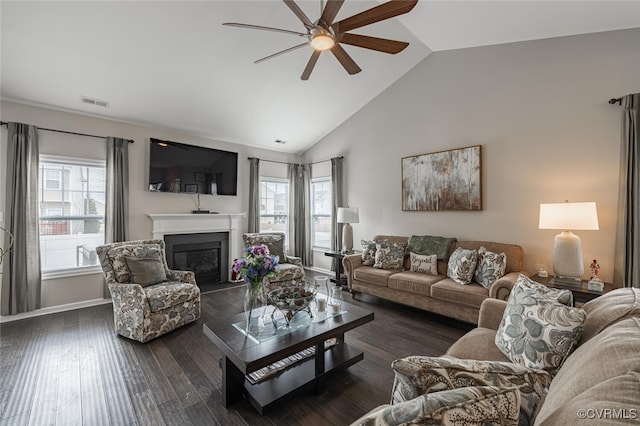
(290, 266)
(149, 299)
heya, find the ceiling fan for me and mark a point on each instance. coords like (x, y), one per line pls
(324, 34)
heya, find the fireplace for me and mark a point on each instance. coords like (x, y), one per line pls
(206, 254)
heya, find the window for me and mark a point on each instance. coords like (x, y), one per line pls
(274, 206)
(321, 213)
(71, 197)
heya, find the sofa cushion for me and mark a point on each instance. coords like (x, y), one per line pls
(414, 282)
(614, 400)
(490, 266)
(471, 295)
(428, 245)
(611, 353)
(523, 282)
(417, 375)
(478, 405)
(427, 264)
(478, 344)
(368, 252)
(146, 270)
(372, 275)
(608, 309)
(166, 295)
(389, 255)
(538, 332)
(462, 265)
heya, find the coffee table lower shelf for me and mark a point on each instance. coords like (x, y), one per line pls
(300, 377)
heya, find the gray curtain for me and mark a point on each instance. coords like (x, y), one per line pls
(254, 195)
(117, 203)
(299, 176)
(627, 262)
(338, 201)
(22, 278)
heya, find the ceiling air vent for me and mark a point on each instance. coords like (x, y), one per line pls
(94, 101)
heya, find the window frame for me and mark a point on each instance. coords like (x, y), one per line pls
(287, 215)
(68, 161)
(313, 215)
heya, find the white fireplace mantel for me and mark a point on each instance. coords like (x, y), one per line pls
(185, 223)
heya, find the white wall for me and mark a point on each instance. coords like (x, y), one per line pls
(539, 109)
(76, 289)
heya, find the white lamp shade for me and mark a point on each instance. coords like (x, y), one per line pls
(569, 216)
(348, 215)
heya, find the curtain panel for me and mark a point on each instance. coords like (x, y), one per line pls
(117, 203)
(22, 277)
(300, 241)
(254, 196)
(338, 201)
(627, 261)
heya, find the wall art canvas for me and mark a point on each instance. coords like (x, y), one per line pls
(446, 180)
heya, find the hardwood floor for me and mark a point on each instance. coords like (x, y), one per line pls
(71, 368)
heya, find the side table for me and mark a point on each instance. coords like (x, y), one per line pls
(337, 256)
(581, 294)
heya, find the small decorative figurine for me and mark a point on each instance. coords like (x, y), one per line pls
(595, 283)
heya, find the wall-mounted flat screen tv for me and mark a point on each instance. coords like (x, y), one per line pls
(177, 167)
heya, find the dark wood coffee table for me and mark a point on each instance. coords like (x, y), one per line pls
(243, 355)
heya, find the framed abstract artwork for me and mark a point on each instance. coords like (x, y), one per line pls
(445, 180)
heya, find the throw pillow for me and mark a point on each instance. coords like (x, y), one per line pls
(389, 255)
(368, 252)
(563, 296)
(418, 375)
(462, 265)
(490, 267)
(117, 256)
(274, 242)
(146, 271)
(427, 244)
(427, 264)
(477, 405)
(538, 332)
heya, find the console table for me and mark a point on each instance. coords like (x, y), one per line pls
(581, 294)
(338, 256)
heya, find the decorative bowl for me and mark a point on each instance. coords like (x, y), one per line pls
(291, 299)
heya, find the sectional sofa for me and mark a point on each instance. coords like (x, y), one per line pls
(434, 293)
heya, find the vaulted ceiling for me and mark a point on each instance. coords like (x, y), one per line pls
(172, 65)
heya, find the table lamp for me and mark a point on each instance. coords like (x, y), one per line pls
(568, 264)
(347, 215)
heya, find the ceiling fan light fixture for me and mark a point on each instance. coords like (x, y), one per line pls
(322, 41)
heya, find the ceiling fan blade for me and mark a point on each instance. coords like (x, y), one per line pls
(281, 52)
(374, 43)
(260, 27)
(299, 13)
(330, 11)
(375, 14)
(312, 63)
(343, 57)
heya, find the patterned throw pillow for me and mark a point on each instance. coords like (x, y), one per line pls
(475, 405)
(490, 267)
(368, 252)
(118, 254)
(424, 263)
(563, 296)
(274, 242)
(389, 255)
(538, 332)
(418, 375)
(462, 265)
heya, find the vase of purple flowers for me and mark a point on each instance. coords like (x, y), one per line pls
(254, 266)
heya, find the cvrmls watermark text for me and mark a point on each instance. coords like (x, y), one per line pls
(607, 413)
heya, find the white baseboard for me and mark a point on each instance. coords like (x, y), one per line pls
(54, 310)
(321, 270)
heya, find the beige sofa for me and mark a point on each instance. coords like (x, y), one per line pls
(598, 383)
(434, 293)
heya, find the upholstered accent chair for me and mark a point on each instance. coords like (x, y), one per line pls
(291, 268)
(149, 299)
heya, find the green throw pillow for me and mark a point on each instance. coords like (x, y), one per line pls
(427, 244)
(146, 271)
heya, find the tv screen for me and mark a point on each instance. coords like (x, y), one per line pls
(177, 167)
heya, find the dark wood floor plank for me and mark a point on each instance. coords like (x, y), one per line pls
(56, 366)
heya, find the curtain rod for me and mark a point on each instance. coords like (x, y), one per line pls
(613, 101)
(282, 162)
(4, 123)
